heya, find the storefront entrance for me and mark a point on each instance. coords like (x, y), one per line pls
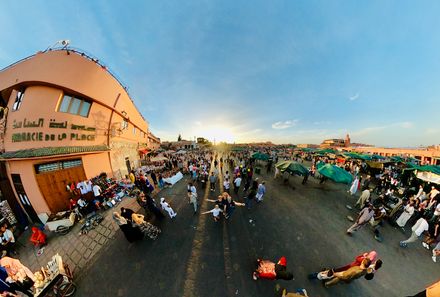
(52, 178)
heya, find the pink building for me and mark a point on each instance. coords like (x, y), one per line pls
(64, 117)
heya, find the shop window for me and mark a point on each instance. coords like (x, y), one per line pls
(73, 105)
(18, 100)
(54, 166)
(124, 125)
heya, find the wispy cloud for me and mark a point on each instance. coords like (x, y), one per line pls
(354, 97)
(432, 131)
(284, 125)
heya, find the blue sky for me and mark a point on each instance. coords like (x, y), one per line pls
(285, 71)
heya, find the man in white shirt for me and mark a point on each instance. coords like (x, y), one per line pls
(97, 191)
(419, 227)
(7, 240)
(81, 186)
(237, 184)
(89, 186)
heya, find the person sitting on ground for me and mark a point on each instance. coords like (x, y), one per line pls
(269, 270)
(38, 238)
(7, 241)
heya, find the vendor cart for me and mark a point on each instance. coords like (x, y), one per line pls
(61, 222)
(56, 281)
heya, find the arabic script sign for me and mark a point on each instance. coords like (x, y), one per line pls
(78, 134)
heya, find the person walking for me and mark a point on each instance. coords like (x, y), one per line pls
(229, 206)
(226, 185)
(167, 208)
(212, 181)
(237, 184)
(249, 198)
(193, 201)
(153, 178)
(354, 186)
(350, 274)
(364, 217)
(363, 198)
(419, 227)
(261, 190)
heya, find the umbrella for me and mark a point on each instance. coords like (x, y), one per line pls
(260, 156)
(357, 156)
(158, 159)
(397, 159)
(292, 167)
(335, 173)
(326, 151)
(377, 157)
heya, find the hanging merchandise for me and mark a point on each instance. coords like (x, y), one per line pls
(6, 212)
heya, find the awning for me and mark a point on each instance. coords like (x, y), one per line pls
(52, 151)
(144, 151)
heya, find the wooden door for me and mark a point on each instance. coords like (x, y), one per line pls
(53, 186)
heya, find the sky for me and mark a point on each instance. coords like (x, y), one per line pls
(248, 71)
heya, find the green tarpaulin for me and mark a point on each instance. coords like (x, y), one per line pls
(292, 167)
(326, 151)
(357, 156)
(335, 173)
(425, 168)
(260, 156)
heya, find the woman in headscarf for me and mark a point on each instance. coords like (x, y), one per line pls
(131, 233)
(149, 230)
(127, 213)
(21, 275)
(372, 256)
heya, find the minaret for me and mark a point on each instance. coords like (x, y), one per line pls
(347, 140)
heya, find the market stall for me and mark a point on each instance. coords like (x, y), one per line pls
(54, 280)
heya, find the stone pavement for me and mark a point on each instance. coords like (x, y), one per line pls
(196, 257)
(78, 251)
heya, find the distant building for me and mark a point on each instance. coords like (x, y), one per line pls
(307, 145)
(339, 142)
(335, 142)
(429, 155)
(153, 141)
(179, 145)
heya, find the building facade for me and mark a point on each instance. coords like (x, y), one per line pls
(429, 155)
(64, 118)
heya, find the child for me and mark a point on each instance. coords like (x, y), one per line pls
(215, 212)
(226, 185)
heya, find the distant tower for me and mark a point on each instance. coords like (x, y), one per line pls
(347, 140)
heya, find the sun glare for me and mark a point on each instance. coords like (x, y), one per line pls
(217, 134)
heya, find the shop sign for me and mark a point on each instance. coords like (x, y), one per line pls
(78, 134)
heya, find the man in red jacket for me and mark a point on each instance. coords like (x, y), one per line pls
(269, 270)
